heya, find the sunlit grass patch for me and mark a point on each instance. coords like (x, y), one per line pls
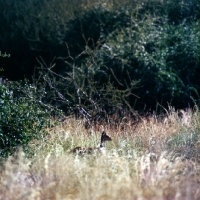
(107, 176)
(155, 160)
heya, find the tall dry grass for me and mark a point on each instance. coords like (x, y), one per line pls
(153, 159)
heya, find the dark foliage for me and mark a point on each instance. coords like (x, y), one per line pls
(23, 115)
(120, 43)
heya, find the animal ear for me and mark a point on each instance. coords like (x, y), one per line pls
(103, 133)
(109, 138)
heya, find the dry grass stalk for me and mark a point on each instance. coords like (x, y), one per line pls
(156, 160)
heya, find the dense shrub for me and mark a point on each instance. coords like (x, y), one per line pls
(120, 42)
(22, 115)
(164, 58)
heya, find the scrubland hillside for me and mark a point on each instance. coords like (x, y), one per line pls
(79, 67)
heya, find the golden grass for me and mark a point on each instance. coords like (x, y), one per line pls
(150, 160)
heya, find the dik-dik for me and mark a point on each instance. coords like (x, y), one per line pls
(82, 150)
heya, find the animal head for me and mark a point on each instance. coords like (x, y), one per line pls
(105, 137)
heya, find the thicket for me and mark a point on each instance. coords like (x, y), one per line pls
(92, 54)
(24, 115)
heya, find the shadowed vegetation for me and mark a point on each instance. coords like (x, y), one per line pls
(153, 43)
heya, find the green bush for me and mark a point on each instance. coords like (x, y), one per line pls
(163, 57)
(23, 115)
(154, 42)
(140, 42)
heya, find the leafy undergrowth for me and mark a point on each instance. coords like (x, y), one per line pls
(152, 159)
